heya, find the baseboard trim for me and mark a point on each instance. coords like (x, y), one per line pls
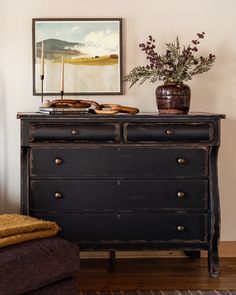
(226, 249)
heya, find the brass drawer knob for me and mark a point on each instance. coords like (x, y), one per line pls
(58, 161)
(74, 132)
(180, 228)
(180, 194)
(181, 161)
(169, 132)
(58, 195)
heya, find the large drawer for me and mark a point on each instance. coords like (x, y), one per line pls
(63, 132)
(130, 227)
(112, 161)
(168, 132)
(117, 195)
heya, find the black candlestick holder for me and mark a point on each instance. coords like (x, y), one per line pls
(62, 93)
(42, 78)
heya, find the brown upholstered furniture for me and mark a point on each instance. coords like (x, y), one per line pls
(43, 263)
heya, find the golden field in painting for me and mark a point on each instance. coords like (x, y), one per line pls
(93, 61)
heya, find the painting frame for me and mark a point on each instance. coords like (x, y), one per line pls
(105, 64)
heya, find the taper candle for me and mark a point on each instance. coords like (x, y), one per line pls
(42, 59)
(62, 73)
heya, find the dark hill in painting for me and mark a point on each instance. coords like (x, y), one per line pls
(55, 48)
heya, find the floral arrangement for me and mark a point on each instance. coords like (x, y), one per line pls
(176, 65)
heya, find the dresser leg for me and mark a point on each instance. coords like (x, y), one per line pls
(193, 254)
(213, 262)
(112, 259)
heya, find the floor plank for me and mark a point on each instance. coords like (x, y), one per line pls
(155, 274)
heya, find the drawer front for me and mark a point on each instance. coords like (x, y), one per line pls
(109, 162)
(63, 132)
(127, 227)
(117, 195)
(167, 132)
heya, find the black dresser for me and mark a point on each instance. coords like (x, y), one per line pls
(125, 182)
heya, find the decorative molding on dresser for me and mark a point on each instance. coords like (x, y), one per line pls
(125, 182)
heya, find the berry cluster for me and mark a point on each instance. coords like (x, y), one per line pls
(175, 65)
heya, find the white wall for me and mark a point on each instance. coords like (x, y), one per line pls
(165, 19)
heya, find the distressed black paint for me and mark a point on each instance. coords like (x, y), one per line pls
(126, 181)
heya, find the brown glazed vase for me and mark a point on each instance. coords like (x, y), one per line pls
(173, 98)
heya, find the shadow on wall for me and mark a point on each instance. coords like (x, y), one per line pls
(3, 166)
(210, 88)
(211, 91)
(227, 176)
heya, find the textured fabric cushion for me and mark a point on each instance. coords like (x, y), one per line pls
(31, 265)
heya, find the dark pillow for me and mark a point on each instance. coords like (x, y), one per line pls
(34, 264)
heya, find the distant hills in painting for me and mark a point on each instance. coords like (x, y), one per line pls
(55, 48)
(74, 53)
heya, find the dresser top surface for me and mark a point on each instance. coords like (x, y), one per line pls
(139, 116)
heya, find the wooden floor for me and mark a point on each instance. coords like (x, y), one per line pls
(155, 274)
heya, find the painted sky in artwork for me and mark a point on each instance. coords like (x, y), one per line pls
(100, 37)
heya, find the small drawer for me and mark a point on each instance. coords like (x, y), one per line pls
(118, 195)
(167, 132)
(64, 132)
(123, 162)
(131, 227)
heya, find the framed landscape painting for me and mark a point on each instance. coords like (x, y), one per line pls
(77, 56)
